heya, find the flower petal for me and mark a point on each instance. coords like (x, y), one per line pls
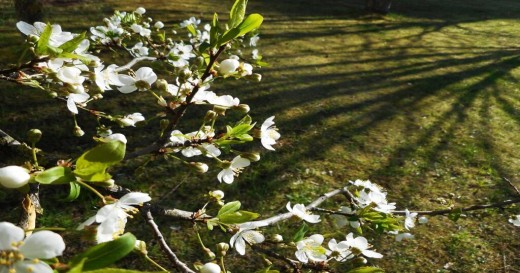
(43, 244)
(9, 234)
(30, 266)
(134, 198)
(240, 246)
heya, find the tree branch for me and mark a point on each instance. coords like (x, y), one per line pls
(470, 208)
(147, 215)
(133, 62)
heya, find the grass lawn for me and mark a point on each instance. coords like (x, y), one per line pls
(423, 101)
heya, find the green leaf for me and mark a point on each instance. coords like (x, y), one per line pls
(117, 270)
(214, 31)
(72, 44)
(74, 191)
(107, 253)
(366, 269)
(245, 120)
(230, 207)
(238, 11)
(92, 165)
(43, 41)
(191, 29)
(55, 175)
(238, 217)
(78, 267)
(251, 23)
(69, 55)
(301, 232)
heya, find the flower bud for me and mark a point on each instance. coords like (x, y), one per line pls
(34, 135)
(278, 238)
(158, 25)
(53, 95)
(77, 131)
(141, 247)
(254, 157)
(14, 177)
(199, 61)
(162, 102)
(220, 110)
(218, 194)
(97, 96)
(228, 66)
(162, 85)
(164, 124)
(211, 255)
(199, 167)
(185, 74)
(254, 77)
(210, 116)
(210, 268)
(140, 11)
(422, 220)
(243, 107)
(222, 249)
(106, 183)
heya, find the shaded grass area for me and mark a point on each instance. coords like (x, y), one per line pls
(423, 101)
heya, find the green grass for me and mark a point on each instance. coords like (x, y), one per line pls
(423, 101)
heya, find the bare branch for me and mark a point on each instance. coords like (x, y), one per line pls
(147, 214)
(470, 208)
(512, 185)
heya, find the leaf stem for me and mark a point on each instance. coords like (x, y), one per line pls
(92, 190)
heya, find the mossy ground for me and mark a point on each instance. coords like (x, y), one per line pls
(423, 101)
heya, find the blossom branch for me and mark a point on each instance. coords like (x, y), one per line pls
(147, 214)
(133, 62)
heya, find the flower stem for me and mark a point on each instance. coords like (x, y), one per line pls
(92, 190)
(155, 263)
(222, 264)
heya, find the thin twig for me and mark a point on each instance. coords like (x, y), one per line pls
(470, 208)
(179, 265)
(512, 185)
(293, 264)
(133, 62)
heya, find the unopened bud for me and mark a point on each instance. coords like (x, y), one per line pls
(142, 85)
(243, 107)
(185, 73)
(141, 247)
(164, 124)
(32, 38)
(254, 77)
(199, 61)
(218, 194)
(210, 268)
(360, 260)
(97, 96)
(222, 249)
(210, 116)
(162, 102)
(278, 238)
(106, 183)
(220, 110)
(211, 255)
(14, 177)
(422, 220)
(199, 167)
(34, 135)
(53, 95)
(251, 156)
(77, 131)
(162, 85)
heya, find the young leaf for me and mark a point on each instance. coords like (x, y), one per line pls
(77, 267)
(92, 165)
(300, 233)
(238, 11)
(366, 269)
(191, 29)
(55, 175)
(238, 217)
(252, 22)
(74, 191)
(43, 41)
(214, 31)
(72, 44)
(107, 253)
(230, 207)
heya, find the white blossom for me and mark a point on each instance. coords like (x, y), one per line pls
(73, 98)
(158, 25)
(180, 54)
(112, 218)
(359, 245)
(139, 50)
(404, 236)
(57, 37)
(104, 78)
(144, 78)
(191, 21)
(422, 220)
(409, 221)
(247, 234)
(140, 10)
(210, 268)
(23, 255)
(131, 120)
(515, 220)
(141, 30)
(228, 174)
(269, 134)
(72, 76)
(14, 177)
(339, 251)
(228, 66)
(301, 211)
(310, 249)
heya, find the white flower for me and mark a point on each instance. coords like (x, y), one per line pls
(57, 37)
(14, 177)
(180, 54)
(112, 218)
(140, 11)
(177, 138)
(158, 25)
(228, 174)
(210, 268)
(407, 236)
(378, 198)
(340, 251)
(409, 221)
(139, 49)
(144, 78)
(360, 245)
(105, 78)
(117, 136)
(192, 21)
(143, 31)
(191, 151)
(246, 69)
(72, 76)
(300, 211)
(269, 134)
(217, 194)
(72, 99)
(342, 221)
(131, 120)
(228, 66)
(247, 234)
(19, 255)
(367, 185)
(515, 220)
(253, 40)
(311, 249)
